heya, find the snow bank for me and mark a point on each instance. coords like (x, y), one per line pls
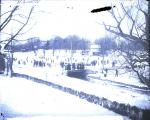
(125, 109)
(33, 101)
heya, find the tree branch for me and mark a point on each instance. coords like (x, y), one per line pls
(19, 29)
(7, 20)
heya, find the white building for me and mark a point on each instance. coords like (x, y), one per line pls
(94, 49)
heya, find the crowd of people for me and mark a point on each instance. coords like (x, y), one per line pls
(69, 63)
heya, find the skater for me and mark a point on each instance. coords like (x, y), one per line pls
(106, 71)
(116, 73)
(113, 64)
(2, 117)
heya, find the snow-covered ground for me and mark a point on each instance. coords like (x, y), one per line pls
(26, 100)
(54, 74)
(37, 101)
(96, 88)
(47, 56)
(122, 78)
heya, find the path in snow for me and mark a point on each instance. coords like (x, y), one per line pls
(142, 90)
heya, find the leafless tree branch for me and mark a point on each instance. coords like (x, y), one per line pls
(138, 33)
(7, 20)
(20, 28)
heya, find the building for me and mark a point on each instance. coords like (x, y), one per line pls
(94, 50)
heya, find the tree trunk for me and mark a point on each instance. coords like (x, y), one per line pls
(148, 29)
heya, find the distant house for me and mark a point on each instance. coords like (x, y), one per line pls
(95, 49)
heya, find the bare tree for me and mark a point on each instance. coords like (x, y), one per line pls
(136, 17)
(19, 19)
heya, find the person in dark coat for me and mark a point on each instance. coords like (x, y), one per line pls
(116, 73)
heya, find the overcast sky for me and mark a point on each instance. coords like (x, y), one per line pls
(65, 17)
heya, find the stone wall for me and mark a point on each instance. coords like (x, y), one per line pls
(132, 112)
